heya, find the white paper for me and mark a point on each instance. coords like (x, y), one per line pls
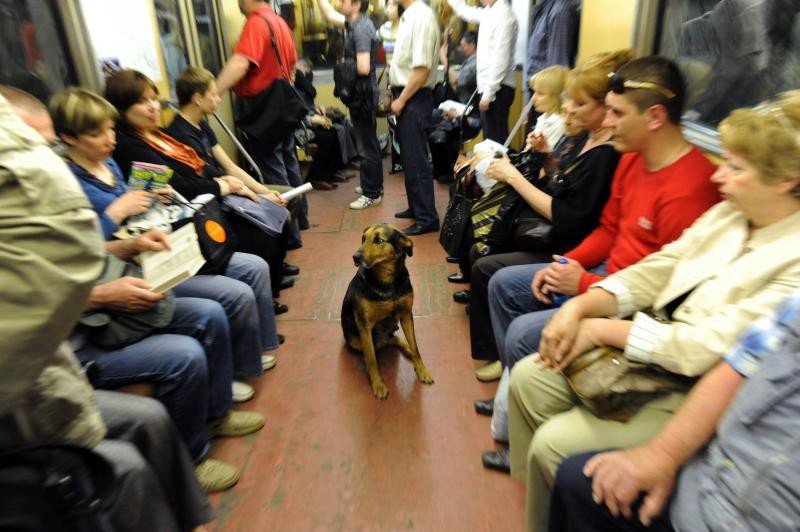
(302, 189)
(452, 105)
(165, 269)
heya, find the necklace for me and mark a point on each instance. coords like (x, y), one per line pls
(675, 156)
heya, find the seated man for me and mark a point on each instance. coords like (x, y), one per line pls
(744, 412)
(451, 127)
(52, 254)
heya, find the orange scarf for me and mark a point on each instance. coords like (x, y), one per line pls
(180, 152)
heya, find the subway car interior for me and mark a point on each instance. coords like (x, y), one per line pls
(334, 265)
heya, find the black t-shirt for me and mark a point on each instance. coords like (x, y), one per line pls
(202, 140)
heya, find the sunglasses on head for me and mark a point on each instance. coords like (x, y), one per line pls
(617, 85)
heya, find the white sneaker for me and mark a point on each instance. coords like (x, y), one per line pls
(363, 202)
(359, 190)
(242, 392)
(268, 362)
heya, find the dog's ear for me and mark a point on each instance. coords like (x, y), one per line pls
(406, 244)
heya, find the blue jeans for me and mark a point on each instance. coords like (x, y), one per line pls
(245, 294)
(411, 128)
(518, 318)
(189, 361)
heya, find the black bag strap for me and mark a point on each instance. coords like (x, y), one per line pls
(284, 70)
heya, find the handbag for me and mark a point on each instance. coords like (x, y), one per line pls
(612, 387)
(265, 215)
(215, 235)
(274, 113)
(453, 235)
(531, 231)
(112, 329)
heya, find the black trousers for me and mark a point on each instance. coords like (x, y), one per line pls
(482, 340)
(251, 239)
(328, 158)
(495, 120)
(364, 124)
(573, 510)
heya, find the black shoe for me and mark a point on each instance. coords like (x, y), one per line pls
(462, 296)
(286, 282)
(279, 308)
(453, 260)
(416, 229)
(484, 407)
(281, 339)
(407, 214)
(498, 460)
(457, 278)
(289, 269)
(293, 245)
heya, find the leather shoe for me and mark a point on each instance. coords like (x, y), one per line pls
(323, 185)
(457, 278)
(281, 339)
(498, 460)
(404, 214)
(484, 407)
(453, 260)
(416, 229)
(289, 269)
(491, 371)
(462, 296)
(279, 307)
(286, 282)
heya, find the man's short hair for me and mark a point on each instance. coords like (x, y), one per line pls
(192, 81)
(22, 100)
(364, 5)
(658, 71)
(470, 37)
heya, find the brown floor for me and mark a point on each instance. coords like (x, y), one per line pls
(332, 457)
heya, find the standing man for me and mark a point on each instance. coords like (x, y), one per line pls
(497, 37)
(412, 76)
(252, 68)
(360, 46)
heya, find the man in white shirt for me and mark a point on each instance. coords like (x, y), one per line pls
(412, 76)
(497, 37)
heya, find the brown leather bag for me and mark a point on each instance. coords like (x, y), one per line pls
(613, 387)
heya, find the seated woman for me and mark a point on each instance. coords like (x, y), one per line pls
(547, 86)
(689, 302)
(85, 123)
(139, 138)
(571, 195)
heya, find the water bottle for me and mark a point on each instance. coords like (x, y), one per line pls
(557, 298)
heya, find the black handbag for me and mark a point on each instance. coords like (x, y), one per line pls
(215, 235)
(454, 234)
(276, 112)
(112, 329)
(531, 231)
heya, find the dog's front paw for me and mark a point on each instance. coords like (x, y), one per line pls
(380, 390)
(424, 375)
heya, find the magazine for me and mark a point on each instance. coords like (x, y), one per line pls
(147, 176)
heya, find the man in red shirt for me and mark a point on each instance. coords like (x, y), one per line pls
(251, 69)
(661, 185)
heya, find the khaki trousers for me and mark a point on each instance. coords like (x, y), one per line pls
(547, 424)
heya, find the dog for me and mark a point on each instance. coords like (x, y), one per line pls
(378, 298)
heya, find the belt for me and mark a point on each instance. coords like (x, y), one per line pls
(397, 90)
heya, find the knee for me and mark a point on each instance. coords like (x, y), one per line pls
(520, 341)
(188, 357)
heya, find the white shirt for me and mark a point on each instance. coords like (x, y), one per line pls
(497, 37)
(551, 126)
(417, 45)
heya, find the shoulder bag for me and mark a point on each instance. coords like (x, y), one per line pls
(112, 329)
(613, 387)
(274, 113)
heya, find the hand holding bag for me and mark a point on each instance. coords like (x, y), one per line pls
(274, 113)
(613, 387)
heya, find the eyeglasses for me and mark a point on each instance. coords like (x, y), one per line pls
(617, 85)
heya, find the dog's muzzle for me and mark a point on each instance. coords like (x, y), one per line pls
(358, 258)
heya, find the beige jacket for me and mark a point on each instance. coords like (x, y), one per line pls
(50, 254)
(733, 281)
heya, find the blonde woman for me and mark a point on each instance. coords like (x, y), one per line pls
(547, 86)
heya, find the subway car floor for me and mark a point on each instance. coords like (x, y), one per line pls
(334, 458)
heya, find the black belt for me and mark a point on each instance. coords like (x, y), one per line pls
(397, 90)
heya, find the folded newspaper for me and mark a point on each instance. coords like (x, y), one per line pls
(165, 269)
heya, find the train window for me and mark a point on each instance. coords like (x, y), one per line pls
(173, 45)
(33, 50)
(733, 53)
(204, 17)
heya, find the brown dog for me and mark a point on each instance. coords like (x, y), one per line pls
(378, 297)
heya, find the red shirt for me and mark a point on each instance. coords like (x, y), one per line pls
(645, 211)
(255, 44)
